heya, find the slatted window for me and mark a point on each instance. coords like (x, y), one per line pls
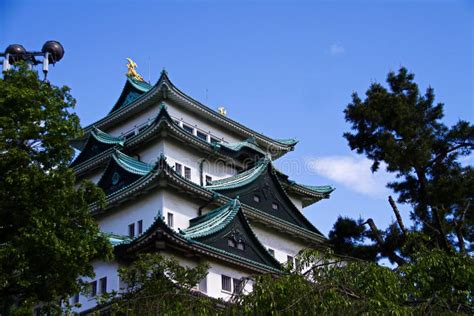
(208, 180)
(131, 230)
(237, 285)
(170, 218)
(202, 135)
(140, 227)
(178, 168)
(103, 285)
(188, 128)
(226, 283)
(93, 288)
(187, 173)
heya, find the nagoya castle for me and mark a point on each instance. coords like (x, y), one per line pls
(187, 181)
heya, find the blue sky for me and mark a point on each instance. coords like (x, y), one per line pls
(284, 68)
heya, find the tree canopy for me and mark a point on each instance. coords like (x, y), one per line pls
(47, 235)
(401, 127)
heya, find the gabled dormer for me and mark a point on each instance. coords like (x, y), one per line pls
(260, 188)
(132, 90)
(227, 230)
(98, 143)
(121, 172)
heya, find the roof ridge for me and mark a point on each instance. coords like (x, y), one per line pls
(241, 178)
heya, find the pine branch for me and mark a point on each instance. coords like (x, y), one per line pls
(397, 215)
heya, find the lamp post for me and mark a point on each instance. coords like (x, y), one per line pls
(52, 52)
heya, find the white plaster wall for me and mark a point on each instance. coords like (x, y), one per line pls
(281, 244)
(101, 269)
(194, 120)
(214, 280)
(188, 157)
(145, 208)
(183, 209)
(297, 202)
(134, 121)
(151, 151)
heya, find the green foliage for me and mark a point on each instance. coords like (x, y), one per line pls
(160, 285)
(402, 128)
(47, 235)
(332, 287)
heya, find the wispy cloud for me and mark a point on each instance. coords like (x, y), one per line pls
(336, 49)
(354, 173)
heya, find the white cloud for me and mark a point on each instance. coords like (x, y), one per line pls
(354, 173)
(337, 49)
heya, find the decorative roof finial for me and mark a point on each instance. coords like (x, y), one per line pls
(222, 111)
(132, 73)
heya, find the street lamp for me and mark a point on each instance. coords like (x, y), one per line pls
(52, 52)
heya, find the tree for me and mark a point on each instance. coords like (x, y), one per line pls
(160, 285)
(402, 128)
(47, 235)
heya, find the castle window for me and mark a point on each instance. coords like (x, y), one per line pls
(237, 285)
(187, 173)
(140, 227)
(271, 251)
(256, 198)
(208, 180)
(202, 135)
(290, 260)
(274, 206)
(178, 168)
(131, 230)
(170, 218)
(188, 128)
(226, 283)
(93, 288)
(103, 285)
(214, 140)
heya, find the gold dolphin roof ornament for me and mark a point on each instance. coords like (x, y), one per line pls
(132, 73)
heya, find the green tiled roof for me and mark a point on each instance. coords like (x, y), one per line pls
(318, 188)
(116, 239)
(240, 179)
(213, 221)
(131, 164)
(140, 85)
(250, 143)
(288, 141)
(106, 138)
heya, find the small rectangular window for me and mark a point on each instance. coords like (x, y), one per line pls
(131, 230)
(93, 288)
(289, 260)
(178, 168)
(170, 219)
(202, 135)
(187, 173)
(226, 283)
(140, 227)
(188, 128)
(208, 180)
(271, 251)
(103, 285)
(237, 285)
(274, 206)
